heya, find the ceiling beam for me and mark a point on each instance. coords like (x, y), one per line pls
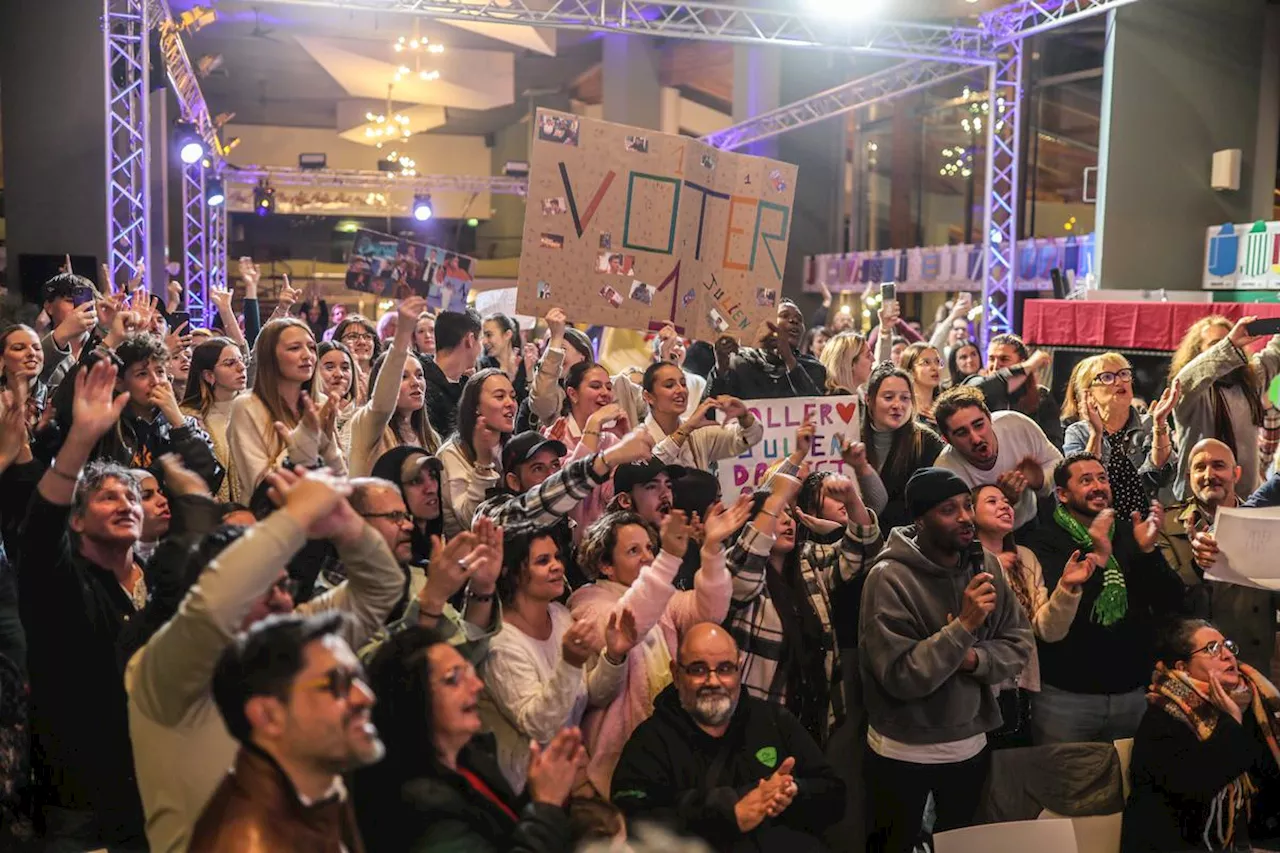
(374, 181)
(702, 21)
(1028, 17)
(883, 85)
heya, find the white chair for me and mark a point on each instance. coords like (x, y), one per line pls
(1124, 748)
(1041, 836)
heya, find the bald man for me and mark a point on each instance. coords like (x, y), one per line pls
(1242, 613)
(739, 772)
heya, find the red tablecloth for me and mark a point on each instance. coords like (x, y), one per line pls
(1124, 325)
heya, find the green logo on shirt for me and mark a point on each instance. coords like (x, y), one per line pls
(768, 756)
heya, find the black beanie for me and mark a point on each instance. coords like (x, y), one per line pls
(929, 487)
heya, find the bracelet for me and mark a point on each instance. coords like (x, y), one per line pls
(68, 477)
(427, 613)
(594, 432)
(612, 661)
(475, 596)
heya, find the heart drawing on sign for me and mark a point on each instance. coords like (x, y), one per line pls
(846, 411)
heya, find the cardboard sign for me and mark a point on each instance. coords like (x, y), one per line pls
(831, 416)
(395, 267)
(632, 228)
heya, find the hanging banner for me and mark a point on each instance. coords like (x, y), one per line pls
(394, 267)
(944, 269)
(636, 229)
(831, 416)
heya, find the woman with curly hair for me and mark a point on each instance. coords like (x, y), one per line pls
(618, 552)
(1222, 389)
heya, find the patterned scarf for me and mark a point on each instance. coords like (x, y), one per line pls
(1113, 602)
(1183, 698)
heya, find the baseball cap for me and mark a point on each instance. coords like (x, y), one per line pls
(523, 447)
(633, 474)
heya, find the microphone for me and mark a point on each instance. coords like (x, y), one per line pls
(977, 557)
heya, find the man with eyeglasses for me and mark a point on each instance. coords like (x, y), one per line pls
(1093, 680)
(181, 747)
(293, 694)
(714, 762)
(1187, 543)
(427, 598)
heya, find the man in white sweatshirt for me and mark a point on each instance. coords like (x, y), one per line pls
(1007, 449)
(181, 747)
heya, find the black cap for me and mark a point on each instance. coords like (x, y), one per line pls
(633, 474)
(521, 448)
(929, 487)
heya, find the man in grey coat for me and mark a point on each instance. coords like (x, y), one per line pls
(940, 630)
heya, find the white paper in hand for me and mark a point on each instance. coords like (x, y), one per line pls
(1248, 548)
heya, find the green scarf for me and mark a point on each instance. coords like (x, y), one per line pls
(1114, 600)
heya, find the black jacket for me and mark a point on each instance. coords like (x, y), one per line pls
(81, 627)
(664, 774)
(755, 374)
(1115, 659)
(430, 811)
(442, 397)
(1176, 777)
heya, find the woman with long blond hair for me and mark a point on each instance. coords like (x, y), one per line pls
(1222, 390)
(279, 420)
(1136, 449)
(848, 360)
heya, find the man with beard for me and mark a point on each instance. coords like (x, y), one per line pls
(294, 695)
(712, 761)
(774, 367)
(1006, 449)
(1093, 680)
(1187, 542)
(181, 746)
(645, 489)
(939, 629)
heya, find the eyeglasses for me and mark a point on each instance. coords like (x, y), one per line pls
(454, 676)
(723, 670)
(397, 517)
(1109, 377)
(337, 682)
(1214, 648)
(353, 337)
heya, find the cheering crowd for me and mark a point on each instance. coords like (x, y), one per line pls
(438, 583)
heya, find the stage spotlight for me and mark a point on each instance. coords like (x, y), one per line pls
(422, 210)
(845, 10)
(264, 199)
(190, 146)
(214, 194)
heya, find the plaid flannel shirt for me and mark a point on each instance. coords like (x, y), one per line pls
(544, 505)
(754, 622)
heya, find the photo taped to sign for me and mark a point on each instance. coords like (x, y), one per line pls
(558, 129)
(666, 218)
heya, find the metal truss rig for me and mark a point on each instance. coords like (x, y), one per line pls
(357, 179)
(1025, 18)
(901, 79)
(701, 21)
(195, 243)
(126, 28)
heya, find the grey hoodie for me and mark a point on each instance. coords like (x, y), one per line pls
(911, 646)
